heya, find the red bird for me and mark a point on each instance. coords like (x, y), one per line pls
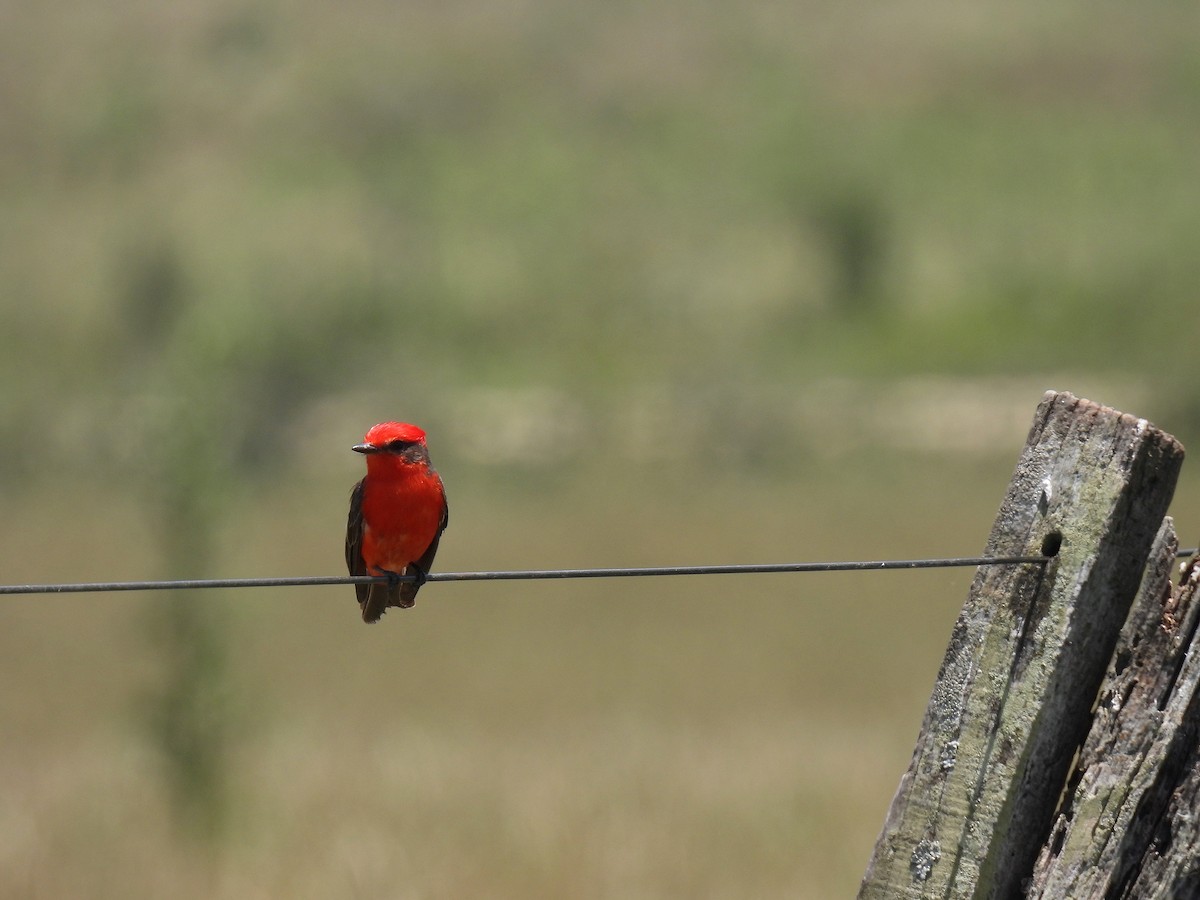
(397, 516)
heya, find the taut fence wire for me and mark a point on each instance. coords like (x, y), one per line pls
(878, 565)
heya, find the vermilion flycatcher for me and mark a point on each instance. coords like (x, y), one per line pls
(397, 516)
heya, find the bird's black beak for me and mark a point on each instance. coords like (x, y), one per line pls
(365, 448)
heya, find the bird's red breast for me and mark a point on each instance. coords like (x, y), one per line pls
(402, 507)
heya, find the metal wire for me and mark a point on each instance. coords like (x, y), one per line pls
(523, 574)
(878, 565)
(856, 566)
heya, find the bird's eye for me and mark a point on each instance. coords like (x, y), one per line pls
(396, 446)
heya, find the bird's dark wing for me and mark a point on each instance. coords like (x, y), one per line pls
(354, 539)
(372, 598)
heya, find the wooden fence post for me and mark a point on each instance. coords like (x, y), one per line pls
(1013, 700)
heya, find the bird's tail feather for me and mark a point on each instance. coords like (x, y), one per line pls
(383, 595)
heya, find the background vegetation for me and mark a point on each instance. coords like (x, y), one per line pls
(666, 282)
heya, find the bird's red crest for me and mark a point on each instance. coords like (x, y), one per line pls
(386, 432)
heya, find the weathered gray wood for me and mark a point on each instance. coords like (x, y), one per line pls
(1013, 698)
(1163, 839)
(1102, 831)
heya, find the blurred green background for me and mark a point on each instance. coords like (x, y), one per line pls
(666, 283)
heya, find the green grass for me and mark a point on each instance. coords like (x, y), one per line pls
(605, 195)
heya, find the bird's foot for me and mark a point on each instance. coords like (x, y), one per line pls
(419, 574)
(393, 578)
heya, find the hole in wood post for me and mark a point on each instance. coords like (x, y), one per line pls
(1122, 660)
(1051, 544)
